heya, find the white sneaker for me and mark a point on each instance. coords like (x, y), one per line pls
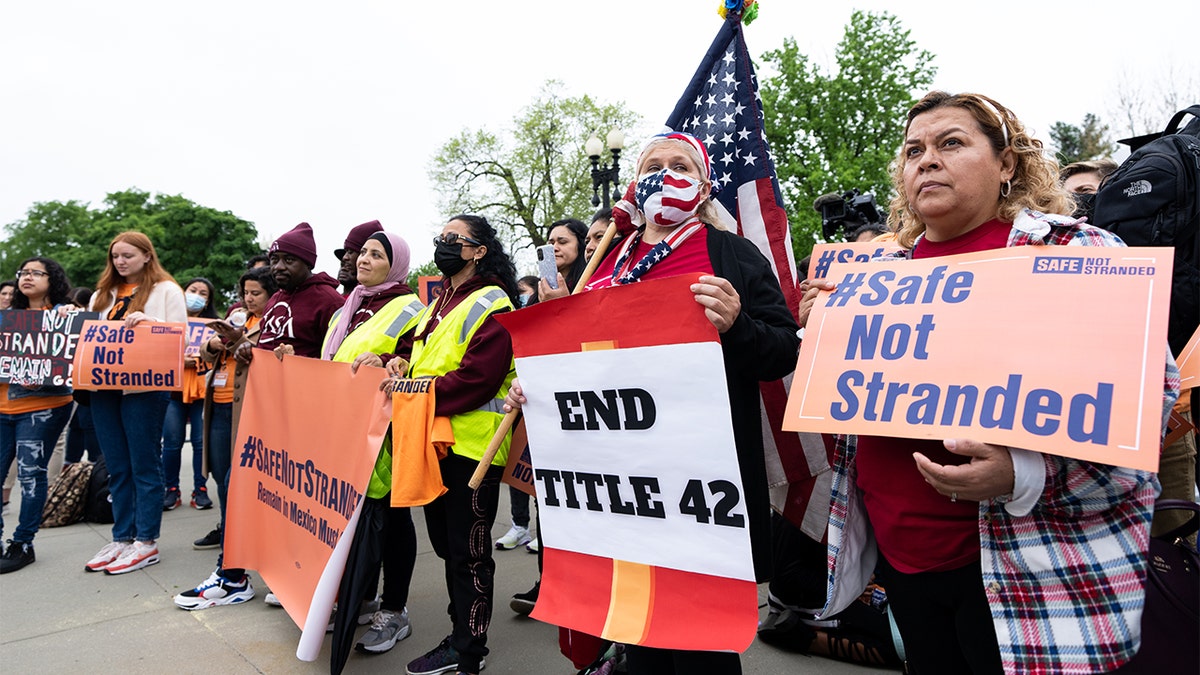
(271, 600)
(516, 536)
(533, 546)
(136, 556)
(106, 556)
(215, 590)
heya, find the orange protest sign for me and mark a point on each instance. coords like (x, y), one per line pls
(147, 357)
(1055, 349)
(518, 472)
(1189, 363)
(824, 255)
(307, 440)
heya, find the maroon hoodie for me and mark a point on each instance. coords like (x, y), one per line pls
(300, 318)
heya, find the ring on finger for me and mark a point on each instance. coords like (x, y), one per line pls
(954, 496)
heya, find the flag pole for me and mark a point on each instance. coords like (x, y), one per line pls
(510, 417)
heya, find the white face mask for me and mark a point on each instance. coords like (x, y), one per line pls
(668, 198)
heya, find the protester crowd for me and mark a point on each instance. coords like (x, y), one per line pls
(936, 533)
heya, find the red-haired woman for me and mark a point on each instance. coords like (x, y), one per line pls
(133, 288)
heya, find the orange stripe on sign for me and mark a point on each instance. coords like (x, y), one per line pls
(630, 602)
(597, 346)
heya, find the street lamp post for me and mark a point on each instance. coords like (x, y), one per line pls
(605, 176)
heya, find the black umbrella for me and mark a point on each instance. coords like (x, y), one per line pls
(359, 579)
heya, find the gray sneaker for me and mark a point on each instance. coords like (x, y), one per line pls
(387, 628)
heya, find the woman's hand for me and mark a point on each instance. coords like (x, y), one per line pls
(134, 318)
(809, 290)
(988, 475)
(721, 302)
(397, 367)
(226, 333)
(515, 398)
(244, 353)
(367, 359)
(284, 350)
(215, 344)
(547, 293)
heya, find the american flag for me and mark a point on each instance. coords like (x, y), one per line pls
(722, 108)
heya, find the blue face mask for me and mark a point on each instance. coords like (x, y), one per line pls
(195, 303)
(524, 298)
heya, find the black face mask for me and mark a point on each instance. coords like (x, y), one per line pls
(1085, 204)
(448, 258)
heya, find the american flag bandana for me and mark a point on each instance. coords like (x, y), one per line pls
(667, 198)
(626, 214)
(655, 255)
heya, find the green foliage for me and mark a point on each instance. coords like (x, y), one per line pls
(533, 174)
(429, 269)
(191, 240)
(837, 131)
(1082, 143)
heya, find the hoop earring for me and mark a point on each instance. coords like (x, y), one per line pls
(1005, 189)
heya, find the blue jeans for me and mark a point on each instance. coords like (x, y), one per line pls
(179, 415)
(30, 437)
(220, 457)
(81, 436)
(129, 428)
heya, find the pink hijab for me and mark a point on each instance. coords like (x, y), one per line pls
(398, 255)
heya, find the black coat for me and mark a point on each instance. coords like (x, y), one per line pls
(761, 346)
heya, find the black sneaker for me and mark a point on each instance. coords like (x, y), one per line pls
(200, 499)
(210, 540)
(171, 499)
(441, 659)
(18, 554)
(522, 603)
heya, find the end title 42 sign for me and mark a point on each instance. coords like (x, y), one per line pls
(1056, 349)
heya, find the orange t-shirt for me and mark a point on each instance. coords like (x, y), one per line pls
(28, 404)
(222, 381)
(121, 305)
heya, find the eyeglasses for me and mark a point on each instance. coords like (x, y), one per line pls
(32, 274)
(452, 238)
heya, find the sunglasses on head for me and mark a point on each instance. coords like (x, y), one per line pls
(452, 238)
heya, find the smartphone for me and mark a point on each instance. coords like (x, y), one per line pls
(547, 269)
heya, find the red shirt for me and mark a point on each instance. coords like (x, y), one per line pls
(689, 257)
(917, 528)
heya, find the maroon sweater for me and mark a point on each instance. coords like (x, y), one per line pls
(300, 318)
(485, 364)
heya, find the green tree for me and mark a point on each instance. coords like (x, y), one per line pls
(533, 174)
(1081, 143)
(191, 240)
(428, 269)
(831, 132)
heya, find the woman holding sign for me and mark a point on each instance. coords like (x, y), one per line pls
(469, 355)
(671, 229)
(994, 558)
(32, 417)
(134, 288)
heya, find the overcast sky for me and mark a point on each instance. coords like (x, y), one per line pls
(329, 113)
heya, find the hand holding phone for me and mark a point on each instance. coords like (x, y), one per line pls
(547, 269)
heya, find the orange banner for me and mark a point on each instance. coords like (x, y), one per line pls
(147, 357)
(1189, 363)
(1055, 349)
(825, 255)
(519, 470)
(308, 437)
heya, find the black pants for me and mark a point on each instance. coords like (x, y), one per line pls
(460, 529)
(647, 661)
(519, 507)
(399, 548)
(944, 620)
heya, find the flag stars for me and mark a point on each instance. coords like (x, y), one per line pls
(730, 79)
(726, 159)
(743, 134)
(710, 120)
(729, 57)
(749, 159)
(727, 99)
(727, 138)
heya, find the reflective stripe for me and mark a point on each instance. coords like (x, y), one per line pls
(495, 405)
(477, 311)
(404, 317)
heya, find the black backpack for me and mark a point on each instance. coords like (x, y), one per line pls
(1153, 199)
(98, 507)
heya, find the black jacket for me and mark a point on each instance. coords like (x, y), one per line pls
(762, 345)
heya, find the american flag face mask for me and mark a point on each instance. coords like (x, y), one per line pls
(668, 198)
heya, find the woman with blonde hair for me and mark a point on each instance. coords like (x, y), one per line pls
(133, 288)
(994, 558)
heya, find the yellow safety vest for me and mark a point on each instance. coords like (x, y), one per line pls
(442, 352)
(378, 335)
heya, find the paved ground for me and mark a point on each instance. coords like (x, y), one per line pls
(55, 618)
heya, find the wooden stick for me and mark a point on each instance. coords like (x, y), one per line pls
(492, 448)
(597, 256)
(509, 418)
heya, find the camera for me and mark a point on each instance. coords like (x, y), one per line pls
(847, 212)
